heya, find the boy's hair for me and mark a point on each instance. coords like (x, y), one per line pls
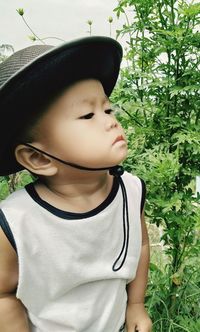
(31, 78)
(29, 132)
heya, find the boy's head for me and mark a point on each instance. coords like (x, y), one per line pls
(34, 84)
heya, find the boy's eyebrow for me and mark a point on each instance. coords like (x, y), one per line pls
(105, 99)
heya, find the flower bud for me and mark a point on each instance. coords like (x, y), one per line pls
(20, 11)
(110, 19)
(32, 38)
(89, 22)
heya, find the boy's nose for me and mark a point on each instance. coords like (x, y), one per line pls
(111, 123)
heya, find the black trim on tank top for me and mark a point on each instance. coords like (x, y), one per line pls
(73, 215)
(7, 231)
(64, 214)
(143, 197)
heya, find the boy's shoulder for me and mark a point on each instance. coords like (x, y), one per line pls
(132, 179)
(135, 184)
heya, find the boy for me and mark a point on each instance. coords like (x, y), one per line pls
(73, 245)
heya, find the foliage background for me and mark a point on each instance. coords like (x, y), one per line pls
(159, 95)
(158, 102)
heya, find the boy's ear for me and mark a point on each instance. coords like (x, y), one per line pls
(35, 161)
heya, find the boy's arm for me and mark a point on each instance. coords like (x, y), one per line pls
(13, 316)
(137, 318)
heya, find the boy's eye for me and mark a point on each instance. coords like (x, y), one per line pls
(109, 111)
(90, 115)
(87, 116)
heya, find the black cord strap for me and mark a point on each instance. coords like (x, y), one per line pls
(118, 171)
(66, 162)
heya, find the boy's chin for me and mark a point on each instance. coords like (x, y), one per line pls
(120, 159)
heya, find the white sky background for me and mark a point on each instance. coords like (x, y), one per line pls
(65, 19)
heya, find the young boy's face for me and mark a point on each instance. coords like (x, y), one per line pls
(80, 128)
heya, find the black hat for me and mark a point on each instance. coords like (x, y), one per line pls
(32, 77)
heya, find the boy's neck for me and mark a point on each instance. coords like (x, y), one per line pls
(76, 194)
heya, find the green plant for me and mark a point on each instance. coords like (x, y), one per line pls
(186, 296)
(9, 184)
(34, 37)
(5, 51)
(110, 21)
(89, 22)
(158, 97)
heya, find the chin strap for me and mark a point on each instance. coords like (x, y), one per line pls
(117, 172)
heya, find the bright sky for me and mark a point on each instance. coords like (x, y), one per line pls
(65, 19)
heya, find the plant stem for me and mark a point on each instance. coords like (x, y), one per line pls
(32, 31)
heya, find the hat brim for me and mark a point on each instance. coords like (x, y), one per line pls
(39, 82)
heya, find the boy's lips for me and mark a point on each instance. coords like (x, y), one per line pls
(118, 139)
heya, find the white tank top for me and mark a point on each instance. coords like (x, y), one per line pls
(66, 280)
